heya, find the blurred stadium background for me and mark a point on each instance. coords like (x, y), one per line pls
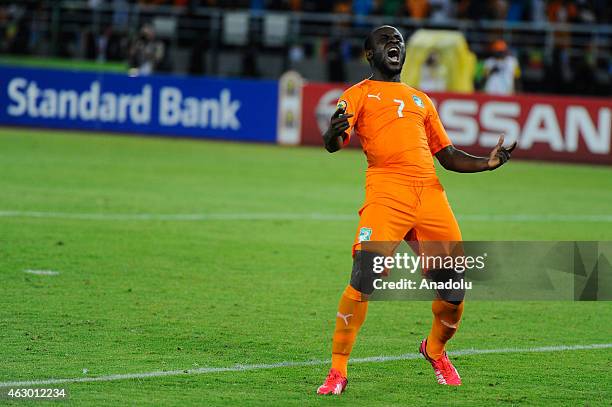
(140, 254)
(558, 43)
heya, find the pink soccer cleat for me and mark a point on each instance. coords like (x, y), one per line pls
(443, 368)
(335, 383)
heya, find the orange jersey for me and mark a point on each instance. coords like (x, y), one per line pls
(399, 130)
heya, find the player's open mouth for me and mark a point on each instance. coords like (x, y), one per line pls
(393, 54)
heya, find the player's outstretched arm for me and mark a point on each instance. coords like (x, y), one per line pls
(336, 133)
(456, 160)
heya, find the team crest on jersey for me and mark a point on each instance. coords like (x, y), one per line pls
(365, 234)
(342, 104)
(417, 101)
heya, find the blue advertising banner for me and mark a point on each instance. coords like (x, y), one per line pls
(162, 105)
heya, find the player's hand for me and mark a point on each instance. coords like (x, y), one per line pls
(339, 122)
(335, 134)
(500, 154)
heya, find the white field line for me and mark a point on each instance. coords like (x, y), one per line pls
(42, 272)
(176, 216)
(290, 216)
(262, 366)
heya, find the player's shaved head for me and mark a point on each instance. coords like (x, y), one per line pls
(368, 44)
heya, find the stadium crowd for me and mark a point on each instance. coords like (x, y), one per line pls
(571, 11)
(577, 62)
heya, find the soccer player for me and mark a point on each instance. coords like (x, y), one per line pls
(400, 132)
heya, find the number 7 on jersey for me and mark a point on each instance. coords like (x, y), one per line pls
(400, 107)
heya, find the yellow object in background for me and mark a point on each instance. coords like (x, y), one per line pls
(439, 60)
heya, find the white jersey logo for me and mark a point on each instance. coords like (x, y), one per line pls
(377, 96)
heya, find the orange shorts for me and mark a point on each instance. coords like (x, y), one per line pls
(423, 214)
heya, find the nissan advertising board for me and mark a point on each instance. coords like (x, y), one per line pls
(546, 127)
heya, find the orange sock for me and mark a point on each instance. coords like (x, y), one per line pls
(445, 324)
(351, 314)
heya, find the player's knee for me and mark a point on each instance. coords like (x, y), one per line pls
(362, 275)
(453, 290)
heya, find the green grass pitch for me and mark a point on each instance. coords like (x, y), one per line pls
(138, 295)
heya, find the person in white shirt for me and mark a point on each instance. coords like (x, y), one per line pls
(501, 71)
